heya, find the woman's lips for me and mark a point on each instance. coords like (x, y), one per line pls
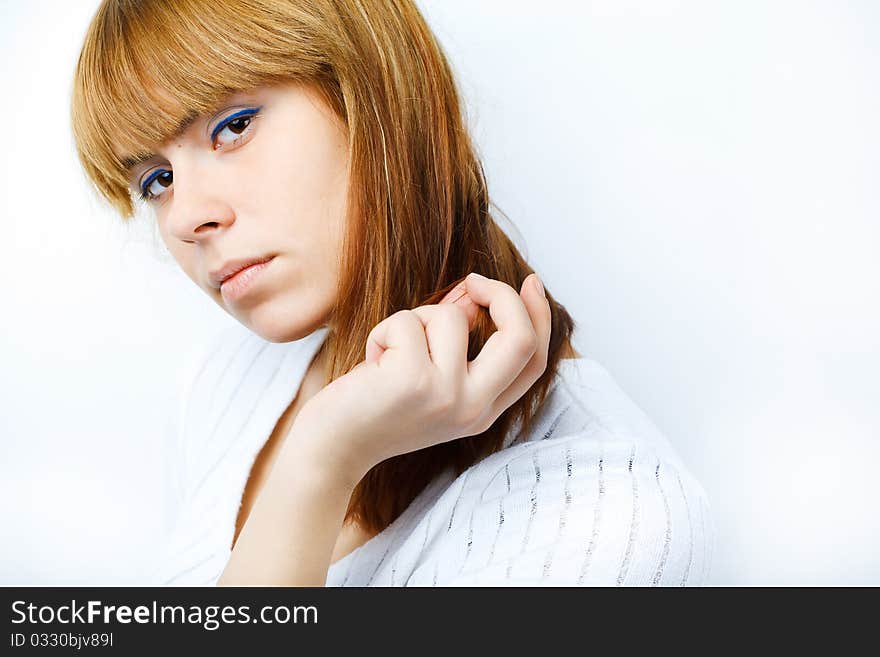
(240, 284)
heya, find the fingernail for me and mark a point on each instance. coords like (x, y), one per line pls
(476, 275)
(455, 293)
(462, 295)
(540, 286)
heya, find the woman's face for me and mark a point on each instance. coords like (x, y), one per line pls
(266, 176)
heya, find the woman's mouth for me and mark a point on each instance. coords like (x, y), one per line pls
(241, 283)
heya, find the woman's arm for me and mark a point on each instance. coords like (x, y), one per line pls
(289, 536)
(416, 388)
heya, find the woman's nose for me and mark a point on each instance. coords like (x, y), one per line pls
(198, 208)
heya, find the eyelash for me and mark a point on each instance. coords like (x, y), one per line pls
(249, 114)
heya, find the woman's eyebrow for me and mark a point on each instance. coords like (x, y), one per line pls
(184, 123)
(130, 162)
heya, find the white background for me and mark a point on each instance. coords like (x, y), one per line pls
(696, 181)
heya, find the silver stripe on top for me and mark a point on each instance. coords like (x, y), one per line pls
(555, 422)
(470, 542)
(634, 523)
(500, 516)
(498, 532)
(687, 508)
(668, 537)
(401, 525)
(533, 499)
(532, 512)
(424, 542)
(457, 499)
(379, 565)
(597, 517)
(563, 514)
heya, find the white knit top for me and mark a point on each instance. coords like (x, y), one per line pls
(593, 495)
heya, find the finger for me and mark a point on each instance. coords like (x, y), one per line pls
(446, 330)
(401, 332)
(508, 349)
(539, 311)
(459, 296)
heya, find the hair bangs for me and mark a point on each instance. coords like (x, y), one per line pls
(147, 69)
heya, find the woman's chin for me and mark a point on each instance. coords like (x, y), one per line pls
(276, 327)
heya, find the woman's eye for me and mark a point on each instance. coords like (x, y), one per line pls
(156, 184)
(234, 128)
(231, 130)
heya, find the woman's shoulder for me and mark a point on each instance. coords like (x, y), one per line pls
(593, 492)
(586, 409)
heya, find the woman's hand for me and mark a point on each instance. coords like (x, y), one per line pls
(416, 387)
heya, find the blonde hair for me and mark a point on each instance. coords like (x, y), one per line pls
(419, 210)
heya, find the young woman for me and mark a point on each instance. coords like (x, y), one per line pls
(402, 404)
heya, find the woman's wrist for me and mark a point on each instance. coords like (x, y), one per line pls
(317, 451)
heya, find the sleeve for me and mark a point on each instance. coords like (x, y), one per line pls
(579, 511)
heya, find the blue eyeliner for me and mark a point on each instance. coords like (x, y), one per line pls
(232, 117)
(149, 181)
